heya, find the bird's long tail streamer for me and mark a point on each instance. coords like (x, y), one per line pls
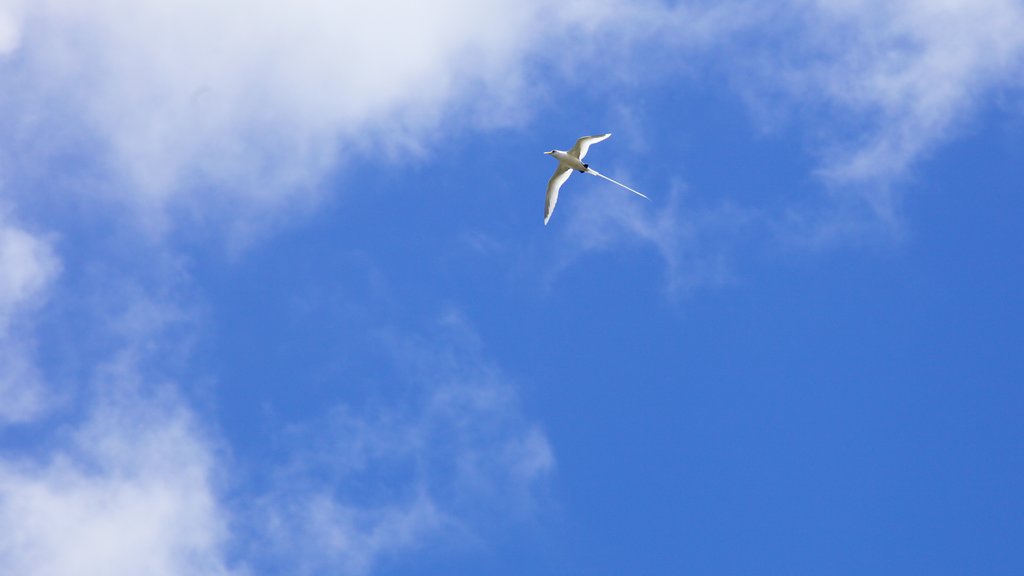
(596, 173)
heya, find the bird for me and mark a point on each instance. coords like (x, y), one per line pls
(573, 160)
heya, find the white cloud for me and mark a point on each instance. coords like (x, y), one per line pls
(8, 31)
(28, 266)
(693, 242)
(905, 76)
(879, 84)
(231, 109)
(22, 388)
(255, 101)
(447, 457)
(130, 491)
(136, 487)
(317, 532)
(124, 482)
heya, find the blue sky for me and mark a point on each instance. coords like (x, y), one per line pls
(276, 296)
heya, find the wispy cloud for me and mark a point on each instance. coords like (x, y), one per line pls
(894, 79)
(190, 113)
(120, 477)
(22, 387)
(28, 265)
(8, 30)
(366, 484)
(695, 243)
(186, 106)
(135, 484)
(877, 85)
(129, 490)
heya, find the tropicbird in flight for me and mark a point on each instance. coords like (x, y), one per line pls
(573, 160)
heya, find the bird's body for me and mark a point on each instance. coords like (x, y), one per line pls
(569, 160)
(573, 160)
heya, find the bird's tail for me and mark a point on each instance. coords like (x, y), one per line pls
(596, 173)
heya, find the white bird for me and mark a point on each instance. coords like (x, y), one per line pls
(573, 160)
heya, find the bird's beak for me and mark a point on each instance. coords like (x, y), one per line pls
(547, 152)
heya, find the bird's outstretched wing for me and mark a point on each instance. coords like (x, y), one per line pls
(583, 145)
(557, 179)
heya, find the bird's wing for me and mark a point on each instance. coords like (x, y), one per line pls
(583, 144)
(557, 179)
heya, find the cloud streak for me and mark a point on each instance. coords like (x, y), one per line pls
(694, 243)
(364, 485)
